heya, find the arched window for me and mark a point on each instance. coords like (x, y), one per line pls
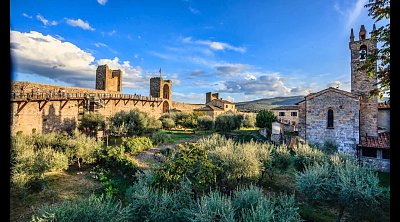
(330, 118)
(166, 91)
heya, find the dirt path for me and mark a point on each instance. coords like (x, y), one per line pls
(148, 159)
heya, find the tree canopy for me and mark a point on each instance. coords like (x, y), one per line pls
(379, 60)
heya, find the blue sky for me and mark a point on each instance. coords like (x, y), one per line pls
(243, 49)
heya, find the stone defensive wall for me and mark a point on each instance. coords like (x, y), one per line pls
(185, 107)
(39, 107)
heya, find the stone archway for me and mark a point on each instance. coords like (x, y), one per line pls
(166, 91)
(165, 107)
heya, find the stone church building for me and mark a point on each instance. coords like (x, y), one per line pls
(350, 119)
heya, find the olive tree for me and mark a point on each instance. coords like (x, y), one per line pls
(346, 186)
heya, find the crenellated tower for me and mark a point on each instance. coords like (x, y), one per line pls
(362, 83)
(162, 89)
(108, 80)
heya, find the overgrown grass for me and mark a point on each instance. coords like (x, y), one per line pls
(64, 185)
(181, 136)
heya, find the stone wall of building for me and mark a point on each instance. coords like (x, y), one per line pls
(108, 79)
(163, 89)
(287, 118)
(345, 131)
(58, 112)
(186, 107)
(384, 120)
(29, 87)
(301, 126)
(362, 83)
(50, 118)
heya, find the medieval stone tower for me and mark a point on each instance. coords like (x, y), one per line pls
(362, 84)
(108, 79)
(211, 96)
(162, 89)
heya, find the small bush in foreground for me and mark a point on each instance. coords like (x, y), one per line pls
(102, 208)
(160, 138)
(347, 186)
(136, 145)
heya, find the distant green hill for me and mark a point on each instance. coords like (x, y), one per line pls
(257, 105)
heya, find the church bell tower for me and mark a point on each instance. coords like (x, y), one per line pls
(362, 83)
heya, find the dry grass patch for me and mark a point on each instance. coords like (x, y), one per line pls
(65, 185)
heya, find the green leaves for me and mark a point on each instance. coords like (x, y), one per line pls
(265, 118)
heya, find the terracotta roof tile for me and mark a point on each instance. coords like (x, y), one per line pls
(381, 141)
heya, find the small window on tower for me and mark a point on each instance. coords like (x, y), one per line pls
(363, 53)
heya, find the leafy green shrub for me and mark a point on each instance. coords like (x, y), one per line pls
(168, 123)
(160, 138)
(246, 198)
(92, 122)
(228, 122)
(286, 209)
(150, 204)
(249, 120)
(136, 145)
(263, 210)
(265, 118)
(213, 207)
(347, 186)
(330, 147)
(305, 155)
(240, 161)
(213, 141)
(205, 122)
(281, 157)
(29, 163)
(102, 208)
(83, 149)
(132, 123)
(115, 158)
(191, 162)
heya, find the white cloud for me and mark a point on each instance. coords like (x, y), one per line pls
(340, 85)
(26, 15)
(100, 44)
(214, 45)
(80, 23)
(195, 98)
(230, 70)
(338, 9)
(45, 21)
(267, 84)
(59, 37)
(230, 98)
(46, 56)
(102, 2)
(355, 12)
(250, 77)
(194, 11)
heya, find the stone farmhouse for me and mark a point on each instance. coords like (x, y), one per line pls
(356, 122)
(45, 108)
(287, 115)
(216, 106)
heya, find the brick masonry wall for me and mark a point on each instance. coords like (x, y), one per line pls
(346, 120)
